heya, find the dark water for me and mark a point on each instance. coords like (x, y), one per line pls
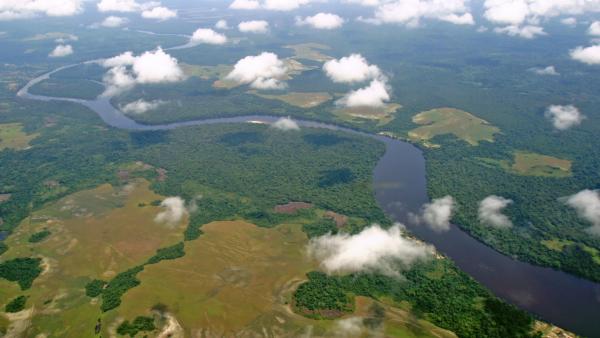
(400, 187)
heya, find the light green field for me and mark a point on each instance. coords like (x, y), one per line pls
(302, 100)
(310, 51)
(560, 244)
(206, 72)
(532, 164)
(94, 234)
(444, 121)
(12, 136)
(382, 115)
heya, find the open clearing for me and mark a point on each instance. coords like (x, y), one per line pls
(12, 136)
(94, 234)
(206, 72)
(302, 100)
(310, 51)
(443, 121)
(382, 115)
(532, 164)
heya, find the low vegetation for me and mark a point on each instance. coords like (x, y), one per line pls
(12, 136)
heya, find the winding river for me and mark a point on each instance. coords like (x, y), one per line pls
(400, 188)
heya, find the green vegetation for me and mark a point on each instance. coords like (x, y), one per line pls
(21, 270)
(443, 121)
(16, 305)
(322, 297)
(115, 288)
(139, 324)
(532, 164)
(451, 299)
(72, 88)
(320, 227)
(172, 252)
(298, 99)
(12, 136)
(39, 236)
(94, 288)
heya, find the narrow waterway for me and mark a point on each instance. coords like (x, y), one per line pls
(400, 187)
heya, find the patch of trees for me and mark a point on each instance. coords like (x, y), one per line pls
(322, 297)
(320, 227)
(139, 324)
(21, 270)
(116, 288)
(16, 305)
(94, 288)
(172, 252)
(437, 292)
(39, 236)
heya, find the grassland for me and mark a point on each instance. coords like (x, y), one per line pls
(94, 234)
(298, 99)
(310, 51)
(12, 136)
(532, 164)
(382, 115)
(443, 121)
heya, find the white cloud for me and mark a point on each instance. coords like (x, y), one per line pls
(174, 211)
(490, 212)
(61, 51)
(373, 249)
(254, 26)
(370, 3)
(285, 124)
(348, 327)
(589, 55)
(141, 106)
(20, 9)
(209, 36)
(374, 95)
(437, 214)
(521, 14)
(245, 4)
(221, 24)
(128, 70)
(274, 5)
(159, 13)
(263, 71)
(570, 21)
(587, 205)
(594, 29)
(114, 21)
(351, 69)
(550, 70)
(411, 12)
(564, 117)
(321, 21)
(526, 32)
(126, 6)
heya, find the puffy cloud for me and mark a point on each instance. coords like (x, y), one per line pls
(363, 2)
(285, 124)
(587, 205)
(550, 70)
(321, 21)
(221, 24)
(589, 55)
(114, 21)
(245, 4)
(209, 36)
(275, 5)
(141, 106)
(490, 212)
(128, 70)
(437, 214)
(521, 14)
(410, 12)
(374, 95)
(253, 26)
(61, 51)
(263, 71)
(594, 28)
(373, 249)
(564, 117)
(348, 327)
(526, 32)
(351, 69)
(124, 6)
(159, 13)
(173, 211)
(570, 21)
(19, 9)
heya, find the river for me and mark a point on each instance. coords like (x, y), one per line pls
(400, 188)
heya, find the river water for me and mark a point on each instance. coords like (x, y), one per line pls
(400, 188)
